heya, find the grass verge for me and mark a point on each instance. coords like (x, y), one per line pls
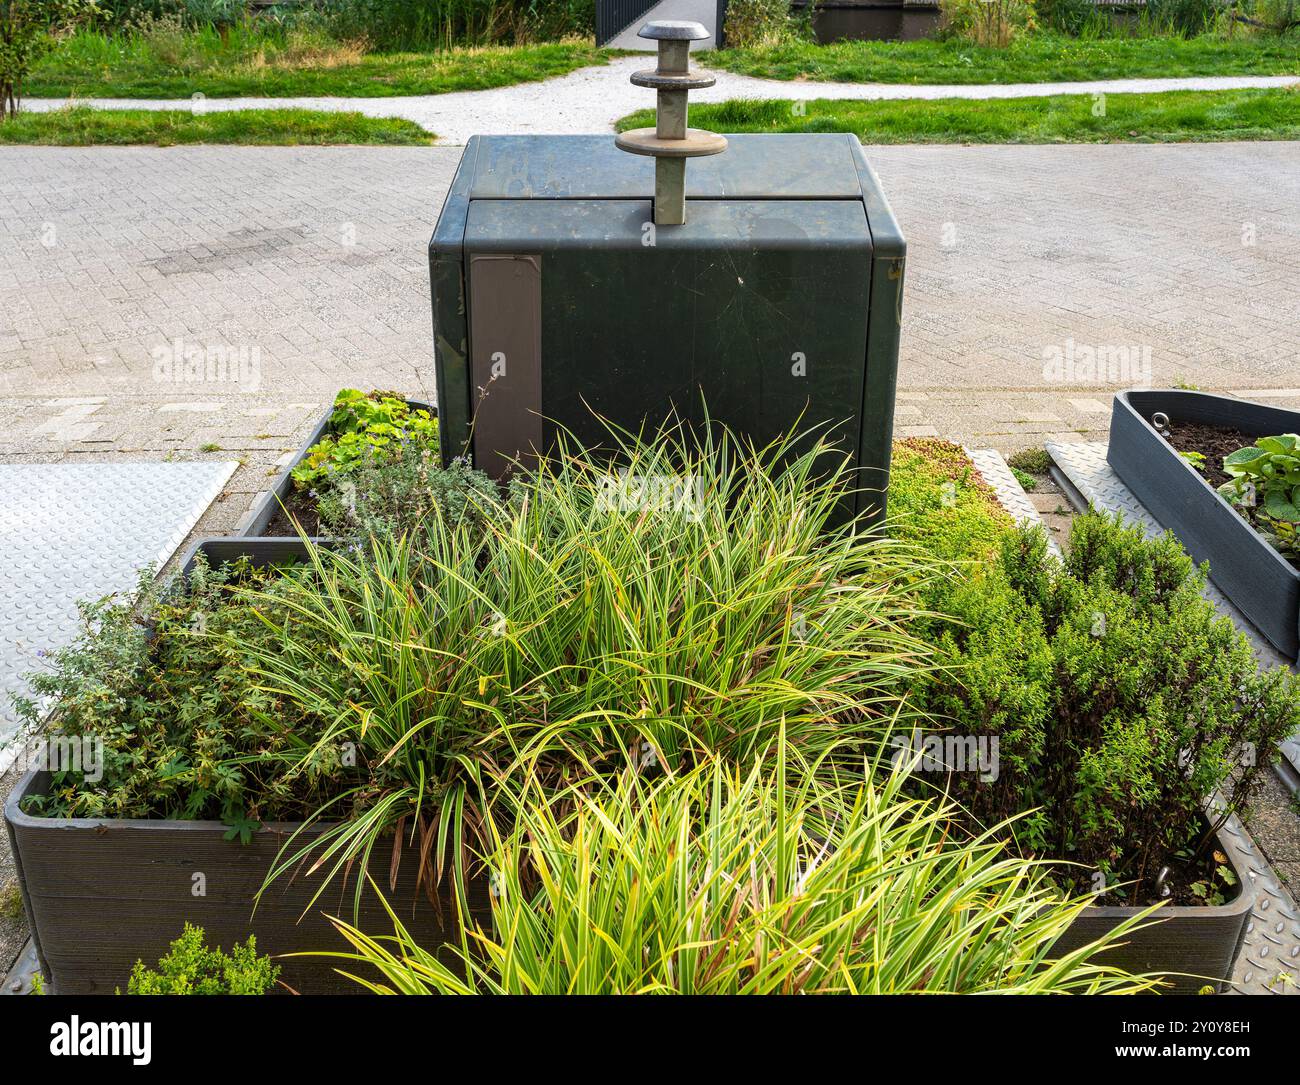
(83, 126)
(1170, 117)
(1037, 58)
(92, 65)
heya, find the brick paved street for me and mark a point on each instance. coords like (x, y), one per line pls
(304, 270)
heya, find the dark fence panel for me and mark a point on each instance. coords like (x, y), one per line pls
(613, 16)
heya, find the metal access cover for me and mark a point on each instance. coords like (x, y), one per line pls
(767, 166)
(70, 532)
(717, 312)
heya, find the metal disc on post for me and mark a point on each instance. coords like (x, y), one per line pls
(671, 141)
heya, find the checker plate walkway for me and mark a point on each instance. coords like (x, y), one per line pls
(1270, 955)
(70, 532)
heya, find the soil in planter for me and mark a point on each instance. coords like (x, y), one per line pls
(1183, 874)
(302, 506)
(1212, 442)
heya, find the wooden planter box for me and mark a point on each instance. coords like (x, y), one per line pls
(269, 503)
(1261, 583)
(102, 893)
(1200, 941)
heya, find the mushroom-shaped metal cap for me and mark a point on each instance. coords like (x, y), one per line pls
(673, 30)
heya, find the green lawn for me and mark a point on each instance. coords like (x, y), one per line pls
(1191, 116)
(1037, 58)
(83, 126)
(247, 64)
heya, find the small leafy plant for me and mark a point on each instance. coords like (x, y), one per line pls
(1265, 488)
(160, 682)
(1219, 885)
(377, 427)
(190, 968)
(390, 496)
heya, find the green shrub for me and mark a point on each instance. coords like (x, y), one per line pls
(719, 882)
(190, 968)
(752, 23)
(184, 730)
(1120, 699)
(28, 30)
(404, 493)
(378, 426)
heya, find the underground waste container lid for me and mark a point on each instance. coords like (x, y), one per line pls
(776, 166)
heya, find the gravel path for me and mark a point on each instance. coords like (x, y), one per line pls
(592, 99)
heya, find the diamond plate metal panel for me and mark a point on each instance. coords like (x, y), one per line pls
(990, 464)
(70, 532)
(1269, 961)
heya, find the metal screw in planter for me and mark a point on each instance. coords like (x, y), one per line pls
(670, 142)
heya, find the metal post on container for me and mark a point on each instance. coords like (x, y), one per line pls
(670, 142)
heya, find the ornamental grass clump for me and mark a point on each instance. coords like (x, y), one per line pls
(684, 604)
(728, 881)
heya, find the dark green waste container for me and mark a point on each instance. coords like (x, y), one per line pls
(556, 299)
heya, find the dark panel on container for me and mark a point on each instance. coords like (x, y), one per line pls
(450, 324)
(505, 358)
(640, 322)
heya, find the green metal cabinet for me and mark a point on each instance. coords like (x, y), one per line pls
(556, 299)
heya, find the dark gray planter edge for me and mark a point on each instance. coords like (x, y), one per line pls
(259, 517)
(1224, 924)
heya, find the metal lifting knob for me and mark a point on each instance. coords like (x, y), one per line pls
(670, 142)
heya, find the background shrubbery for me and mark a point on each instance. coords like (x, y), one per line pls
(987, 22)
(381, 24)
(758, 22)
